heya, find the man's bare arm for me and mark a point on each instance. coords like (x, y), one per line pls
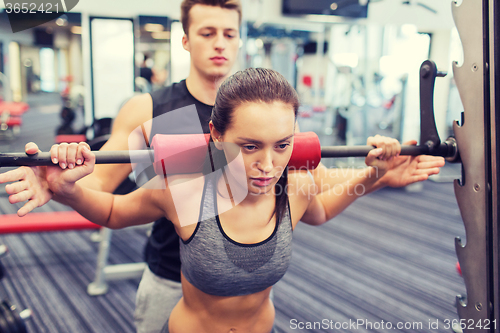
(107, 177)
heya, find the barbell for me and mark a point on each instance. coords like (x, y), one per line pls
(186, 153)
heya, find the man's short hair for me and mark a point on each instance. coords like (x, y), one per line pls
(188, 4)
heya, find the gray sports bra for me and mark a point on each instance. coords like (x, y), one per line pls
(218, 265)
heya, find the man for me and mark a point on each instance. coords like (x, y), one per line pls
(211, 30)
(212, 37)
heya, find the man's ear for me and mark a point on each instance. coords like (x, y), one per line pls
(185, 43)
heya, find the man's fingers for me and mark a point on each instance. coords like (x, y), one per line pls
(28, 207)
(427, 165)
(427, 171)
(431, 158)
(16, 187)
(21, 196)
(13, 175)
(418, 178)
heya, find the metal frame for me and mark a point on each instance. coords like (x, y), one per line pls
(105, 272)
(494, 82)
(477, 136)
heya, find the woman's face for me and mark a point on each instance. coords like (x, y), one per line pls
(263, 133)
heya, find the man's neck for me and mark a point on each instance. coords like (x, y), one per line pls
(202, 88)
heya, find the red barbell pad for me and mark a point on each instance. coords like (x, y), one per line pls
(180, 153)
(306, 152)
(185, 153)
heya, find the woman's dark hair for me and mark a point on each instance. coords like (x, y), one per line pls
(255, 85)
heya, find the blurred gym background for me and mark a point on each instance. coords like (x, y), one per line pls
(355, 65)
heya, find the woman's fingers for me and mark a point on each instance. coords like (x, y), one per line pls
(61, 155)
(79, 155)
(68, 155)
(54, 154)
(373, 157)
(31, 148)
(390, 147)
(71, 151)
(88, 156)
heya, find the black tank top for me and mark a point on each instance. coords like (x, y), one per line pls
(162, 248)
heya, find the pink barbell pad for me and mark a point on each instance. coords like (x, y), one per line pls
(185, 153)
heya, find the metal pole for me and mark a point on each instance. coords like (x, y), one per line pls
(446, 149)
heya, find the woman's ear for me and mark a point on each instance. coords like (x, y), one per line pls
(216, 136)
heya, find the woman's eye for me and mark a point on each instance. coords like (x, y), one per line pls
(250, 148)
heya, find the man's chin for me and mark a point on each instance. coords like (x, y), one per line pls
(218, 72)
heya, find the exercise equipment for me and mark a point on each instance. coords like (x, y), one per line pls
(478, 82)
(186, 153)
(43, 222)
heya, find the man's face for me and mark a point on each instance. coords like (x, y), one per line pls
(213, 40)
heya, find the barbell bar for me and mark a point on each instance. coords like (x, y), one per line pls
(190, 150)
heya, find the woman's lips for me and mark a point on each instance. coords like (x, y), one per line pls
(261, 182)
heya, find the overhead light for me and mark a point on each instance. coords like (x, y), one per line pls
(161, 35)
(61, 22)
(77, 30)
(334, 6)
(152, 27)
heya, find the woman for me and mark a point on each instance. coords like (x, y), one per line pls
(236, 222)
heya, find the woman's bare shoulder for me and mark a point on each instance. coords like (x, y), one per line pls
(300, 181)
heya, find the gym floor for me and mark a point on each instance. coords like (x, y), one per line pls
(389, 258)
